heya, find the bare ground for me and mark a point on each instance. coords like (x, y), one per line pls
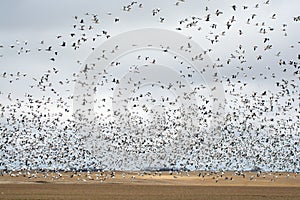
(163, 186)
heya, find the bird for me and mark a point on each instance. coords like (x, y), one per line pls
(141, 121)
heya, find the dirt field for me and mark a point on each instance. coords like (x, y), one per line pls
(146, 186)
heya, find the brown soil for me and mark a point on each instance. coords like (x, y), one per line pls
(150, 186)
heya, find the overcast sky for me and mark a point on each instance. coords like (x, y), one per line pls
(31, 22)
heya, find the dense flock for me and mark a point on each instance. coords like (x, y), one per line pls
(259, 128)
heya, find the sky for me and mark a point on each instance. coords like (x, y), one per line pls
(248, 55)
(34, 21)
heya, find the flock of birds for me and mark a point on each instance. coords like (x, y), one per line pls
(104, 176)
(260, 128)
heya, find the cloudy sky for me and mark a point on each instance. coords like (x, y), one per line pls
(32, 21)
